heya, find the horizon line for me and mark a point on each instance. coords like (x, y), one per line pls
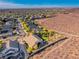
(8, 5)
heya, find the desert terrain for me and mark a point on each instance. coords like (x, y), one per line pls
(68, 25)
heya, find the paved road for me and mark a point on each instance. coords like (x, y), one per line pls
(22, 47)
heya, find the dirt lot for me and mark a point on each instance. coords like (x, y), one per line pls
(69, 50)
(68, 23)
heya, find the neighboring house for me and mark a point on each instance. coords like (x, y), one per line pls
(7, 30)
(12, 50)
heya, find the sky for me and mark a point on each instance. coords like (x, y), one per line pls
(38, 3)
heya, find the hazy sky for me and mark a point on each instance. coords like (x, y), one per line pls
(38, 3)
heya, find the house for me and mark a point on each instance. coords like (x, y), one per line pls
(12, 50)
(31, 40)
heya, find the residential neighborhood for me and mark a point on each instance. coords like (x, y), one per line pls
(22, 37)
(39, 33)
